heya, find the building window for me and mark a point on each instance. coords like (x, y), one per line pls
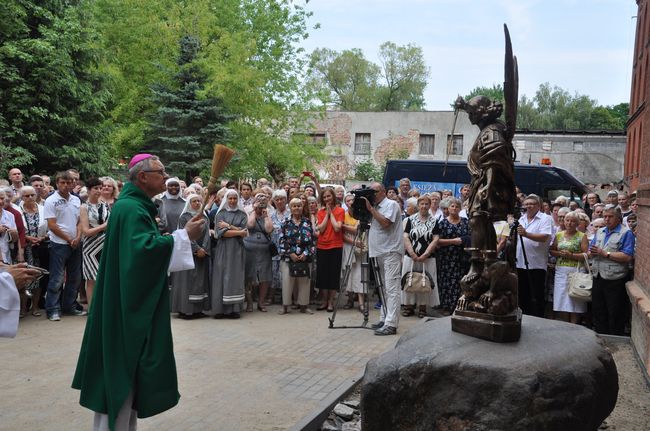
(427, 144)
(362, 143)
(456, 145)
(520, 145)
(578, 146)
(316, 138)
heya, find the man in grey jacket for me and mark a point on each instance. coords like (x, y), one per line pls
(612, 248)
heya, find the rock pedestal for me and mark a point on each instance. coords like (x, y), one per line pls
(558, 376)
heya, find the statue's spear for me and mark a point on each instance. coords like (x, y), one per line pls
(451, 137)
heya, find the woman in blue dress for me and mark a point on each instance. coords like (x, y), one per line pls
(452, 260)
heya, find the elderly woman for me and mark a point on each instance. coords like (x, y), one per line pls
(297, 244)
(109, 191)
(568, 247)
(453, 261)
(353, 246)
(420, 240)
(36, 237)
(8, 229)
(278, 217)
(410, 208)
(583, 221)
(93, 219)
(258, 256)
(189, 294)
(329, 248)
(229, 260)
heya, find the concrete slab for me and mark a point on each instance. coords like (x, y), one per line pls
(262, 372)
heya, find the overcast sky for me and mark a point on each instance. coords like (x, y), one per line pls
(582, 46)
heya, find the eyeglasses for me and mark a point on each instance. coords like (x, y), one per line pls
(159, 171)
(29, 196)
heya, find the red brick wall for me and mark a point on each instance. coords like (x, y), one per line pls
(637, 171)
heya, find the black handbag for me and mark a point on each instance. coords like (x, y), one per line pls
(298, 269)
(273, 249)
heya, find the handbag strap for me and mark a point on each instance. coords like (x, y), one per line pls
(268, 238)
(584, 255)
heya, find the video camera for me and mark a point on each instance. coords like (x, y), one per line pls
(359, 209)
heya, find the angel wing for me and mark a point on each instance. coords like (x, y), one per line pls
(510, 87)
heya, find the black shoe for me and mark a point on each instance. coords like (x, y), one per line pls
(386, 330)
(233, 316)
(377, 325)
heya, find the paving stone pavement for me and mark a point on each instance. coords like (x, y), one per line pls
(262, 372)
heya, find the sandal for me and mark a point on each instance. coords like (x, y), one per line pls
(283, 311)
(36, 313)
(261, 308)
(322, 307)
(249, 308)
(408, 311)
(422, 312)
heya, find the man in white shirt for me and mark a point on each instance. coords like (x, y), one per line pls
(386, 245)
(536, 230)
(61, 210)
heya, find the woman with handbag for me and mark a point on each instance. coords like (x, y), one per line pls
(259, 251)
(569, 247)
(296, 250)
(420, 241)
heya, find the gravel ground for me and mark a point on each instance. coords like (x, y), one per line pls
(632, 411)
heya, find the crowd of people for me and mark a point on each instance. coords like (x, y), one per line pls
(290, 244)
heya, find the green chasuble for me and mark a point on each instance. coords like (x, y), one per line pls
(128, 340)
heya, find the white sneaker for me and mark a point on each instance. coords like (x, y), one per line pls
(54, 317)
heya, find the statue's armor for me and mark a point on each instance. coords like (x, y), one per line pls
(493, 179)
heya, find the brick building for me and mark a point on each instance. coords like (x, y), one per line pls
(593, 156)
(637, 172)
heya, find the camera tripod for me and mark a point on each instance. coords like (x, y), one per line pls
(367, 264)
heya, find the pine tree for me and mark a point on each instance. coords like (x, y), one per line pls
(185, 126)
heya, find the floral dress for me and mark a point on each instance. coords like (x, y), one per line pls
(453, 262)
(297, 238)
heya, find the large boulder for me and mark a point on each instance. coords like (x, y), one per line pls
(558, 376)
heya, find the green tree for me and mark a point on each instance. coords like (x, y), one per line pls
(345, 80)
(251, 59)
(185, 126)
(348, 81)
(495, 93)
(405, 74)
(368, 171)
(52, 99)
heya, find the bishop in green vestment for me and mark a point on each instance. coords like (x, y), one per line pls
(127, 345)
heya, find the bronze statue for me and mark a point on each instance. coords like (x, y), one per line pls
(490, 287)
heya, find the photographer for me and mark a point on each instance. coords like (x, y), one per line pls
(386, 245)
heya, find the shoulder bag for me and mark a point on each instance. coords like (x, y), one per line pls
(580, 283)
(273, 249)
(417, 282)
(298, 269)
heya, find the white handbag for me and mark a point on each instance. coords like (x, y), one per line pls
(417, 282)
(580, 283)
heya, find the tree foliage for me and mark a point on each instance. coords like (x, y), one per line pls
(250, 59)
(185, 126)
(52, 98)
(344, 79)
(553, 108)
(347, 81)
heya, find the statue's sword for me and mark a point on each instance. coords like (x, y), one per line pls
(450, 140)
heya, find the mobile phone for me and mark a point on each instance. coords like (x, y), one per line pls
(307, 173)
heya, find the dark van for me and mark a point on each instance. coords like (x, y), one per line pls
(426, 175)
